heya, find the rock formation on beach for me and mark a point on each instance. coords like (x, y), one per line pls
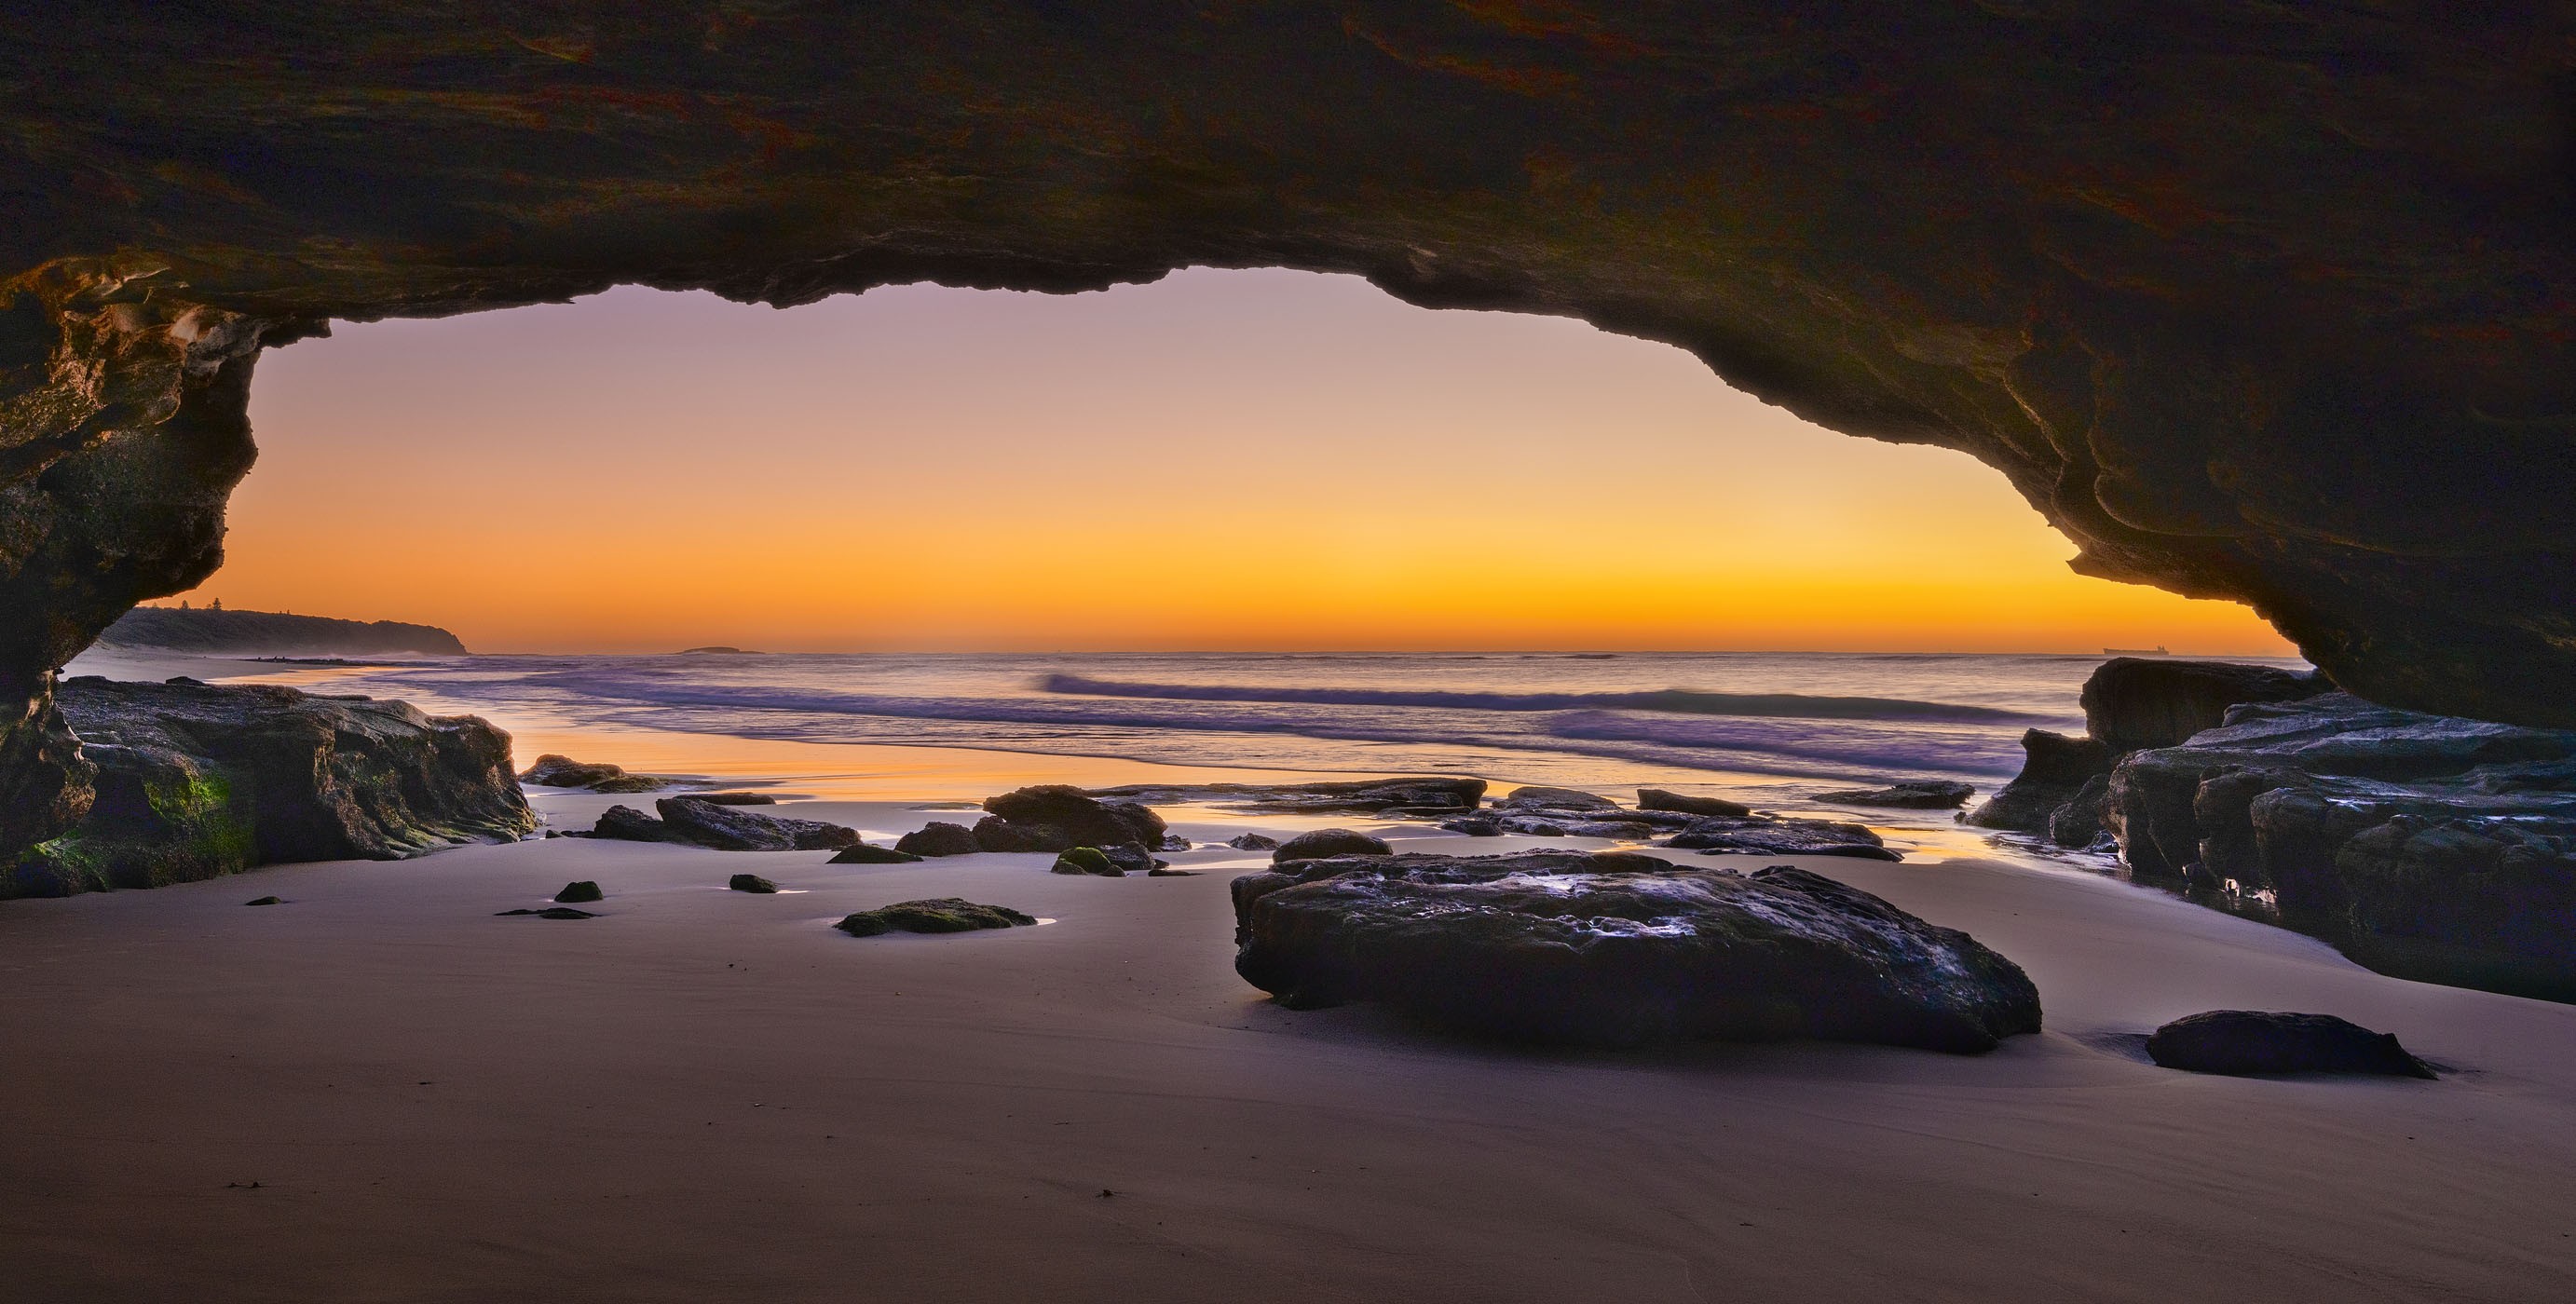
(932, 915)
(1415, 795)
(2251, 1042)
(196, 781)
(557, 771)
(2249, 300)
(720, 826)
(1621, 949)
(1050, 812)
(1912, 794)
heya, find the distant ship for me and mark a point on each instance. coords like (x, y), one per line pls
(2157, 651)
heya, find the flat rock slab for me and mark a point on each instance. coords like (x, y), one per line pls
(550, 912)
(1323, 843)
(1922, 794)
(863, 854)
(932, 915)
(1764, 836)
(728, 828)
(1622, 949)
(2250, 1043)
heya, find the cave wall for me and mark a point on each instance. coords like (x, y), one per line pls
(2251, 300)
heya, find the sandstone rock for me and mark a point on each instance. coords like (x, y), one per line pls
(580, 891)
(993, 833)
(554, 770)
(1534, 797)
(1718, 835)
(1659, 799)
(1084, 819)
(627, 824)
(2248, 1042)
(932, 915)
(194, 781)
(753, 883)
(1913, 794)
(1621, 950)
(727, 828)
(1252, 842)
(863, 854)
(1474, 826)
(939, 838)
(2131, 703)
(2055, 769)
(1328, 842)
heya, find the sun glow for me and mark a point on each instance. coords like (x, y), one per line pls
(1220, 460)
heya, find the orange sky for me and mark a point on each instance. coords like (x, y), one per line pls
(1219, 460)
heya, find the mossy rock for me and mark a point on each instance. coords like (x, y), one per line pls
(933, 915)
(750, 883)
(579, 891)
(1087, 860)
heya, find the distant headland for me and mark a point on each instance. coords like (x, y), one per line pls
(212, 629)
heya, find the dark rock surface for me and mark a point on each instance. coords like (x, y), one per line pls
(265, 901)
(728, 828)
(1621, 950)
(1534, 797)
(2250, 1042)
(580, 891)
(2134, 703)
(1357, 796)
(736, 798)
(1087, 860)
(1682, 803)
(1759, 836)
(1912, 794)
(1252, 842)
(1328, 842)
(1083, 819)
(939, 838)
(752, 883)
(1474, 826)
(993, 833)
(2303, 349)
(550, 912)
(863, 854)
(627, 824)
(2424, 846)
(195, 781)
(556, 771)
(932, 915)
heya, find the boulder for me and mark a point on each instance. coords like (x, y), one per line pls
(2250, 1042)
(193, 781)
(1085, 820)
(993, 833)
(580, 891)
(627, 824)
(939, 838)
(1474, 826)
(750, 883)
(1131, 858)
(1535, 797)
(1172, 842)
(860, 853)
(2055, 769)
(265, 901)
(1328, 842)
(1619, 950)
(2134, 703)
(728, 828)
(932, 915)
(1659, 799)
(1911, 794)
(1760, 836)
(1252, 842)
(554, 770)
(1087, 860)
(1424, 797)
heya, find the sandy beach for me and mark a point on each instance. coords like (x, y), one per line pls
(381, 1091)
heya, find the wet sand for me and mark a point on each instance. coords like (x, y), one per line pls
(705, 1095)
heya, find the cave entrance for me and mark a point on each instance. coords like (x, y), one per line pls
(1249, 459)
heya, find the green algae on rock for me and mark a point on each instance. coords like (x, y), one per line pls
(932, 915)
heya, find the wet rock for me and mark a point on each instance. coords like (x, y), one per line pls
(1163, 871)
(753, 883)
(932, 915)
(265, 901)
(1659, 799)
(1534, 797)
(188, 782)
(727, 828)
(2132, 703)
(1328, 842)
(939, 838)
(580, 891)
(1423, 797)
(550, 912)
(1252, 842)
(993, 833)
(1621, 950)
(627, 824)
(1173, 842)
(863, 854)
(1474, 826)
(2078, 822)
(1132, 858)
(1761, 836)
(2055, 769)
(735, 798)
(554, 770)
(1912, 794)
(1085, 820)
(2249, 1042)
(1088, 860)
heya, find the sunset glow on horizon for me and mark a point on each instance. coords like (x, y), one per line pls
(1238, 460)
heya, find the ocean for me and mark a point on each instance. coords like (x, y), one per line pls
(1788, 723)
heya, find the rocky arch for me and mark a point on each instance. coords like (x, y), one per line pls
(2253, 301)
